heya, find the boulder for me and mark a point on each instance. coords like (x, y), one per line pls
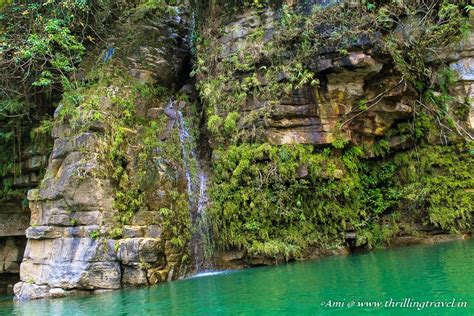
(153, 231)
(131, 231)
(27, 291)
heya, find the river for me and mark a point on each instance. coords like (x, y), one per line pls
(401, 281)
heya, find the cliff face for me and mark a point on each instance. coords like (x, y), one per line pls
(356, 87)
(326, 126)
(14, 212)
(83, 234)
(319, 138)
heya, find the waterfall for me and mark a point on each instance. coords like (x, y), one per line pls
(197, 193)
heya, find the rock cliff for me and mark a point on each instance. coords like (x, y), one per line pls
(78, 239)
(14, 212)
(304, 98)
(243, 135)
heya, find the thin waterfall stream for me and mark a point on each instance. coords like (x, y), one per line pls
(196, 178)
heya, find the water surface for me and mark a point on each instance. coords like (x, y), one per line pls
(332, 286)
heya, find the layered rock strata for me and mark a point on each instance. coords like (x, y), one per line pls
(70, 249)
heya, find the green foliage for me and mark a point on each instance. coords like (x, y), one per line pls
(422, 31)
(40, 45)
(280, 200)
(439, 184)
(131, 154)
(263, 70)
(206, 9)
(230, 123)
(261, 204)
(213, 124)
(260, 73)
(264, 203)
(272, 200)
(95, 234)
(176, 221)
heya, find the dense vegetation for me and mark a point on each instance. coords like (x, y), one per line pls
(41, 43)
(263, 204)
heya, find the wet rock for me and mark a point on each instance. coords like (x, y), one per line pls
(26, 291)
(232, 259)
(157, 275)
(57, 293)
(134, 276)
(261, 261)
(102, 291)
(102, 275)
(426, 239)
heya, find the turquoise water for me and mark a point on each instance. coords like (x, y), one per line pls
(333, 286)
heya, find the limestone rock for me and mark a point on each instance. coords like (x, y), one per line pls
(70, 263)
(128, 250)
(134, 276)
(102, 275)
(42, 232)
(59, 292)
(130, 231)
(140, 250)
(153, 231)
(73, 208)
(465, 68)
(26, 291)
(150, 250)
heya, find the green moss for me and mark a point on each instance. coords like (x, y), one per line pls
(438, 185)
(131, 153)
(230, 123)
(264, 203)
(176, 221)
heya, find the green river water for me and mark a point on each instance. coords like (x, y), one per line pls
(441, 274)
